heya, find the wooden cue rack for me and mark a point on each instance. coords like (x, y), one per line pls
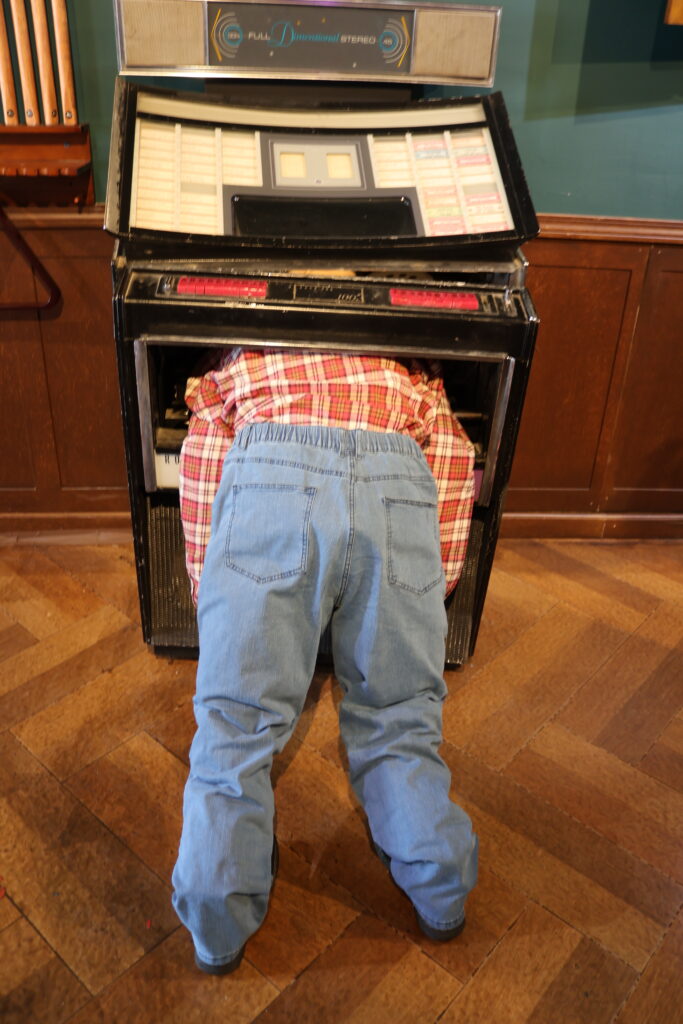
(45, 154)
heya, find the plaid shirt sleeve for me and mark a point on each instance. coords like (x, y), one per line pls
(201, 464)
(451, 459)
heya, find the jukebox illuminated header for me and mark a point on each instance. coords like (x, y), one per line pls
(426, 42)
(360, 41)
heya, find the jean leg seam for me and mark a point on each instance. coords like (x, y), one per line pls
(352, 530)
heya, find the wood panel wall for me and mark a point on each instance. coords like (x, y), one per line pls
(63, 461)
(600, 450)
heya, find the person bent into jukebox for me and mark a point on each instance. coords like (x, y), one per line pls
(320, 490)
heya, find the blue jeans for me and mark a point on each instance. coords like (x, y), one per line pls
(315, 526)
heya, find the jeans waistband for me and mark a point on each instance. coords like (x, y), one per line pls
(353, 442)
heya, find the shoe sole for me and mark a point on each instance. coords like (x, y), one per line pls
(436, 934)
(227, 968)
(440, 934)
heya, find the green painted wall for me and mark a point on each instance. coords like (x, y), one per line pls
(93, 43)
(594, 89)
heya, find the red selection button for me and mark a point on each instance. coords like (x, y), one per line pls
(224, 287)
(433, 299)
(187, 286)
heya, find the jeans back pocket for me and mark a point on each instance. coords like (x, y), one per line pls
(413, 544)
(268, 527)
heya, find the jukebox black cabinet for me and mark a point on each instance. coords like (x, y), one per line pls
(352, 226)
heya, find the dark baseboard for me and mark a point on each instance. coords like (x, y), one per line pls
(592, 526)
(520, 525)
(74, 528)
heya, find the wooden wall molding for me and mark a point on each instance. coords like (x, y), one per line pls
(674, 12)
(55, 218)
(41, 524)
(116, 528)
(591, 526)
(611, 229)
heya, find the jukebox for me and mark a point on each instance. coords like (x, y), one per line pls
(236, 208)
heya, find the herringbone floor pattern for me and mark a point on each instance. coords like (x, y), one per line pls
(565, 737)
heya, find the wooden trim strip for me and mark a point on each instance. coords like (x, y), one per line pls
(611, 229)
(51, 217)
(16, 527)
(100, 529)
(674, 13)
(90, 537)
(592, 525)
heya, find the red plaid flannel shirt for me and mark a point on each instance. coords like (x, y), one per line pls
(333, 390)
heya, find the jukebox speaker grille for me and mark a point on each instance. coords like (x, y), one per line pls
(163, 33)
(173, 622)
(465, 40)
(460, 618)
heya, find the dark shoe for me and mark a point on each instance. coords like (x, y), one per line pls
(436, 934)
(439, 934)
(384, 857)
(226, 968)
(232, 965)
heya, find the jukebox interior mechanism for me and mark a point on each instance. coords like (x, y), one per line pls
(361, 227)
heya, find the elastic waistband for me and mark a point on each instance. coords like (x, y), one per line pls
(346, 442)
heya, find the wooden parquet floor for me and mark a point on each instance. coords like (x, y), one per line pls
(565, 738)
